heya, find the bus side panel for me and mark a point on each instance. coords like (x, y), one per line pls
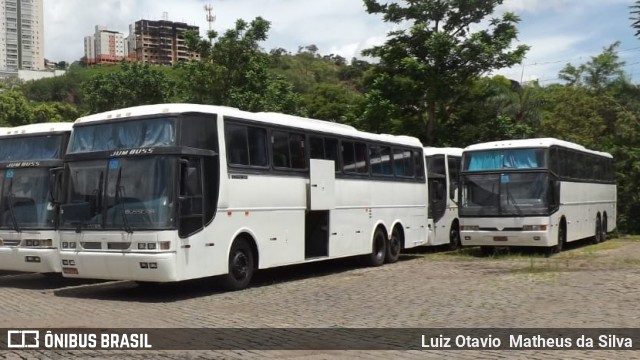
(274, 217)
(350, 219)
(581, 202)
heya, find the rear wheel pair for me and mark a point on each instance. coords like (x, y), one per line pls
(384, 250)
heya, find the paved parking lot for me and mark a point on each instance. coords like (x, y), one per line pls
(586, 286)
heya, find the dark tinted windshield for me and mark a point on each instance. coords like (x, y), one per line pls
(25, 199)
(506, 194)
(120, 193)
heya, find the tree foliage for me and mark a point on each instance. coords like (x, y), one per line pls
(437, 57)
(234, 71)
(15, 109)
(133, 84)
(599, 73)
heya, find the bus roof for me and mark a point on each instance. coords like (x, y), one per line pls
(40, 128)
(532, 143)
(265, 117)
(430, 151)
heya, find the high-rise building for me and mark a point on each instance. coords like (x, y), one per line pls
(105, 47)
(21, 35)
(161, 42)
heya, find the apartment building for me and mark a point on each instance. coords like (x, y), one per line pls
(105, 47)
(161, 42)
(21, 35)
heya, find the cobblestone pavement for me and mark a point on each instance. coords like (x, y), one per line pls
(593, 286)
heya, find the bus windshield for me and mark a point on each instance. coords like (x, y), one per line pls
(25, 199)
(505, 194)
(487, 160)
(120, 193)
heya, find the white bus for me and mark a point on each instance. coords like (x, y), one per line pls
(443, 169)
(28, 239)
(536, 192)
(172, 192)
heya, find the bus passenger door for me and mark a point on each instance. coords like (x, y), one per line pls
(322, 178)
(321, 201)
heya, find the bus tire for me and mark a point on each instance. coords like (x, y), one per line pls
(240, 266)
(597, 236)
(604, 228)
(562, 240)
(454, 236)
(378, 248)
(394, 246)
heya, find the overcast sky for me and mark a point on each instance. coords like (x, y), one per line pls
(558, 31)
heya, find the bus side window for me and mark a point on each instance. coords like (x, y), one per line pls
(454, 170)
(324, 148)
(246, 145)
(402, 162)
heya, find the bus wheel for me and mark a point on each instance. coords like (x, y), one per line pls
(394, 246)
(597, 237)
(240, 266)
(454, 237)
(603, 237)
(562, 239)
(379, 249)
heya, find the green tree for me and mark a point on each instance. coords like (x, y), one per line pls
(493, 108)
(55, 112)
(134, 84)
(436, 58)
(233, 71)
(331, 102)
(599, 108)
(599, 73)
(15, 109)
(576, 114)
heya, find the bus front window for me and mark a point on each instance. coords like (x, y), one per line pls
(120, 193)
(25, 200)
(505, 194)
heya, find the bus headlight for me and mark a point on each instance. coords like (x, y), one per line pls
(469, 227)
(39, 242)
(534, 228)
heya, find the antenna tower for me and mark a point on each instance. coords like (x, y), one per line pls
(210, 17)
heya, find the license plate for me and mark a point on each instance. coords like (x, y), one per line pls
(68, 270)
(500, 238)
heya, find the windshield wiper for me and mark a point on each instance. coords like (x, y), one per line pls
(125, 220)
(513, 200)
(16, 227)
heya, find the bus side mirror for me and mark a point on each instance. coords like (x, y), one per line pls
(55, 185)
